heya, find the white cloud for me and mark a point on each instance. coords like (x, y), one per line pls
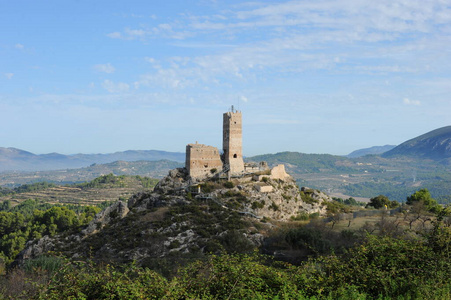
(112, 87)
(383, 37)
(150, 60)
(244, 99)
(129, 34)
(19, 46)
(407, 101)
(106, 68)
(9, 75)
(114, 35)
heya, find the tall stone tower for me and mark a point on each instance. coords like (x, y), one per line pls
(232, 141)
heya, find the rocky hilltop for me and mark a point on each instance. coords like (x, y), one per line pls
(182, 219)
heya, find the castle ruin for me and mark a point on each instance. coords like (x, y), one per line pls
(232, 141)
(203, 161)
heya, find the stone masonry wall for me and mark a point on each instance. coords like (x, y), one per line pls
(232, 142)
(200, 159)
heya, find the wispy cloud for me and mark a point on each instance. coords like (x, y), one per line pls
(19, 46)
(297, 36)
(105, 68)
(112, 87)
(407, 101)
(9, 75)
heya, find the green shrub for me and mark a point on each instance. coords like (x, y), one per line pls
(207, 187)
(85, 281)
(228, 184)
(286, 197)
(314, 215)
(43, 263)
(258, 204)
(302, 216)
(274, 206)
(305, 196)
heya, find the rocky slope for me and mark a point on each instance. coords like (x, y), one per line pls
(435, 145)
(181, 220)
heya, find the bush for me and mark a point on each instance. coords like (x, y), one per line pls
(382, 201)
(235, 242)
(308, 239)
(236, 277)
(258, 204)
(274, 206)
(43, 263)
(305, 196)
(86, 281)
(228, 184)
(302, 216)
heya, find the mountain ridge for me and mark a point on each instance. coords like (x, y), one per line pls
(13, 159)
(435, 144)
(375, 150)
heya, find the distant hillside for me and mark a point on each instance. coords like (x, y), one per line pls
(366, 176)
(153, 169)
(12, 159)
(104, 188)
(372, 150)
(305, 163)
(434, 145)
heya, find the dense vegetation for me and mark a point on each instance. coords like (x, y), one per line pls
(33, 219)
(381, 267)
(38, 186)
(111, 180)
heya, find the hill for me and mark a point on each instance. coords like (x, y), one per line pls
(370, 151)
(153, 169)
(366, 176)
(106, 188)
(178, 219)
(434, 145)
(12, 159)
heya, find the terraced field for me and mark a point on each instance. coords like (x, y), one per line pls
(94, 192)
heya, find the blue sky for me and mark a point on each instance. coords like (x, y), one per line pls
(309, 76)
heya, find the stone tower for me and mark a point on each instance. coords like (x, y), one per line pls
(232, 142)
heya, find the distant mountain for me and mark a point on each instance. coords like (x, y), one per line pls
(434, 145)
(372, 150)
(12, 159)
(153, 169)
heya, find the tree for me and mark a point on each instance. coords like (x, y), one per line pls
(424, 197)
(6, 205)
(382, 201)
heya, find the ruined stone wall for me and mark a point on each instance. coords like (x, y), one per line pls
(232, 142)
(278, 172)
(254, 167)
(201, 159)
